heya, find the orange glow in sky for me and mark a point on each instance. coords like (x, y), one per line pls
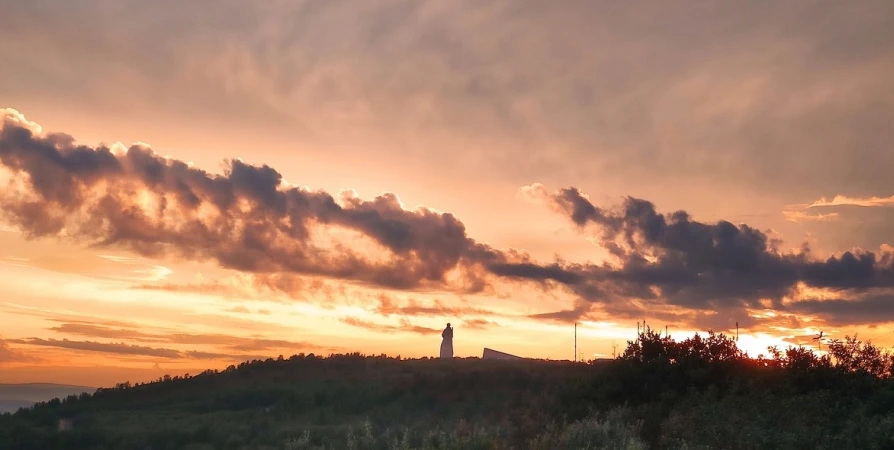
(237, 190)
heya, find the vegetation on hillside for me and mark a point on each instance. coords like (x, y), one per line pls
(699, 393)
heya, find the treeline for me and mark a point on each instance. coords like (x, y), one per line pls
(699, 393)
(704, 392)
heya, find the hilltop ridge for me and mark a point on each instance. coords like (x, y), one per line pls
(702, 392)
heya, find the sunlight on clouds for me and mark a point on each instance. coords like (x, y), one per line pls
(534, 193)
(717, 124)
(765, 314)
(15, 262)
(118, 149)
(19, 119)
(843, 200)
(102, 268)
(800, 216)
(605, 330)
(23, 325)
(757, 343)
(149, 271)
(803, 291)
(341, 241)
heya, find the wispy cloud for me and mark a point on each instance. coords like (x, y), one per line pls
(404, 327)
(241, 344)
(569, 77)
(799, 213)
(120, 348)
(388, 306)
(801, 216)
(150, 272)
(9, 354)
(843, 200)
(91, 346)
(479, 324)
(578, 312)
(94, 330)
(244, 310)
(266, 286)
(106, 267)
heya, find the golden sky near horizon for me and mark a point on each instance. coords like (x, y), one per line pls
(256, 179)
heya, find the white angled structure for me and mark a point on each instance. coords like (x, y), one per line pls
(493, 354)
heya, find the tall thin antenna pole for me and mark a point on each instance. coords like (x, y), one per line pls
(575, 341)
(737, 331)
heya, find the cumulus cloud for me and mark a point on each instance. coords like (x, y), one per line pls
(249, 220)
(245, 219)
(676, 260)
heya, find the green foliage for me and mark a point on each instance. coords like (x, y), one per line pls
(614, 432)
(698, 393)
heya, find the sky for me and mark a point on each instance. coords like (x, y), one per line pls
(188, 185)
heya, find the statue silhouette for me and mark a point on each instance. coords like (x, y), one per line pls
(447, 342)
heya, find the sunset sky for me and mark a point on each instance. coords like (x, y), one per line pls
(187, 185)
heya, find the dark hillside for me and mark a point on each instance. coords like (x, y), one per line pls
(267, 402)
(699, 393)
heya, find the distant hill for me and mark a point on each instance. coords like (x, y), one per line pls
(15, 396)
(14, 405)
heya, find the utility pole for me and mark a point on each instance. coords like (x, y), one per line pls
(575, 341)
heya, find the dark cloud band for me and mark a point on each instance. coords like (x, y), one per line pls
(246, 219)
(671, 258)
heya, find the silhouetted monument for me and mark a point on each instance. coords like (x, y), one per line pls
(447, 342)
(493, 354)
